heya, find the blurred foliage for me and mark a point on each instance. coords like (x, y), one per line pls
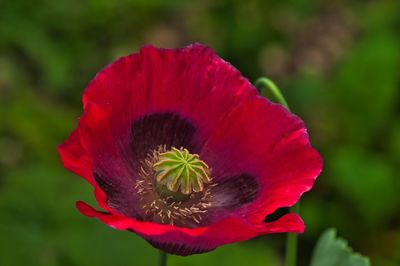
(337, 62)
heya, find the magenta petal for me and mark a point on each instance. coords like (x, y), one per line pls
(75, 158)
(266, 142)
(192, 82)
(185, 241)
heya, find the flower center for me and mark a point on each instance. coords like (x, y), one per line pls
(177, 169)
(174, 187)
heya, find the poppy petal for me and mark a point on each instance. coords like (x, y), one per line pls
(185, 241)
(269, 143)
(75, 158)
(109, 171)
(192, 83)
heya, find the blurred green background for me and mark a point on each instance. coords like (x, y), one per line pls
(337, 62)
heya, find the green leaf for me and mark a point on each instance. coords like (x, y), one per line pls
(333, 251)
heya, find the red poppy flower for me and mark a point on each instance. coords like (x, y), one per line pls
(183, 151)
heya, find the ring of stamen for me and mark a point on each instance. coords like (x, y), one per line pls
(168, 207)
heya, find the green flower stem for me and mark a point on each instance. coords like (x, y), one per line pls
(162, 259)
(273, 89)
(291, 240)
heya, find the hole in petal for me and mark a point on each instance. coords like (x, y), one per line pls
(277, 214)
